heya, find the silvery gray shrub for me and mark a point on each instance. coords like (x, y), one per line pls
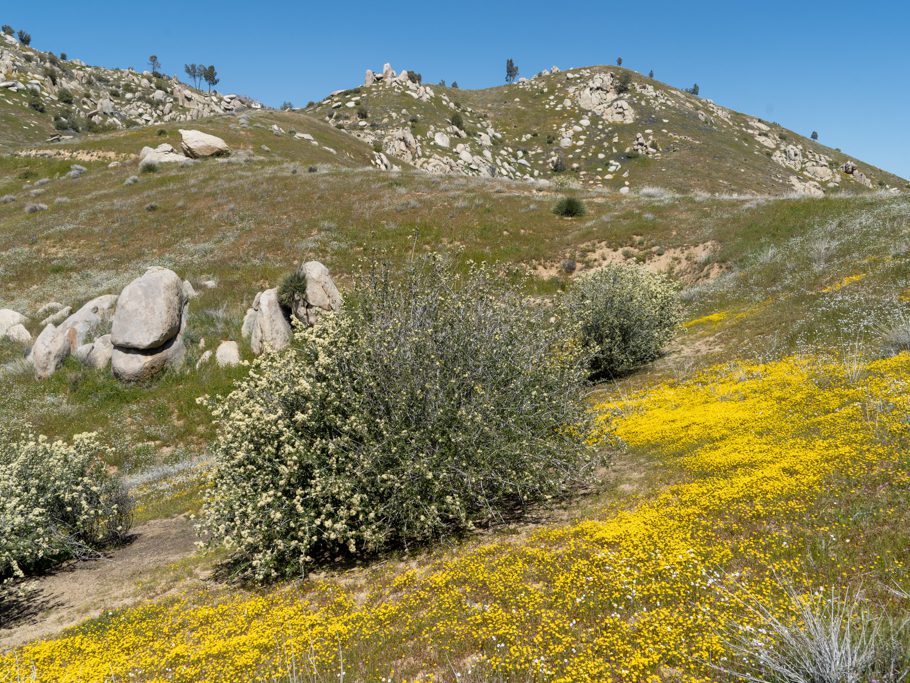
(625, 315)
(57, 501)
(433, 404)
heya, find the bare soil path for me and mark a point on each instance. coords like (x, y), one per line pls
(157, 560)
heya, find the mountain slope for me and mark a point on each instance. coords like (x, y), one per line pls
(598, 126)
(42, 95)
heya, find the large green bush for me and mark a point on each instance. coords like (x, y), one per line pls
(57, 501)
(626, 315)
(434, 403)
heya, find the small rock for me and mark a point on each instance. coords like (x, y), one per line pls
(57, 317)
(203, 359)
(18, 334)
(227, 354)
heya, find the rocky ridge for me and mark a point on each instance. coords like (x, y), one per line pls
(79, 96)
(601, 127)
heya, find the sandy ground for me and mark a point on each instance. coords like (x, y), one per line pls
(143, 568)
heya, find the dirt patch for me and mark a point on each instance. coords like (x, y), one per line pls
(143, 568)
(689, 264)
(73, 154)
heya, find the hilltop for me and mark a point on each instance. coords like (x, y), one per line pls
(43, 96)
(604, 127)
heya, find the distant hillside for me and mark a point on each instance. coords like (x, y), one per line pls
(598, 126)
(42, 95)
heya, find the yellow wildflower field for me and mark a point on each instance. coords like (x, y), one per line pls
(638, 594)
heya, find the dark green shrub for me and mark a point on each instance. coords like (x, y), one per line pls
(432, 404)
(569, 207)
(625, 314)
(457, 120)
(624, 83)
(292, 290)
(362, 112)
(35, 102)
(65, 96)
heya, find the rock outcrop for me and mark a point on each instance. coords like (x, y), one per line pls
(50, 350)
(267, 325)
(321, 295)
(196, 144)
(227, 355)
(270, 330)
(148, 325)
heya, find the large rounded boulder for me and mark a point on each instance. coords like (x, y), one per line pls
(147, 331)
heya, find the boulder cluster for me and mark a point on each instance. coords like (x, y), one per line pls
(140, 332)
(267, 324)
(194, 144)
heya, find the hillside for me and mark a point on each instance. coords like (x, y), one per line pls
(43, 96)
(765, 453)
(601, 127)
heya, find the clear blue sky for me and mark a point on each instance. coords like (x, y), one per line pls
(840, 68)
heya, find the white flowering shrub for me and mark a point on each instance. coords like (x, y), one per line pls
(626, 315)
(434, 403)
(57, 501)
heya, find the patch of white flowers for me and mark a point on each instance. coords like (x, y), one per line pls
(57, 501)
(626, 315)
(433, 404)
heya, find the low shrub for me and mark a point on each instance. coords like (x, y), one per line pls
(625, 315)
(569, 207)
(831, 637)
(432, 404)
(292, 290)
(457, 120)
(57, 501)
(65, 96)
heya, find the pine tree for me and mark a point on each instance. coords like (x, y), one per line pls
(155, 64)
(651, 74)
(25, 37)
(211, 77)
(815, 135)
(511, 71)
(619, 61)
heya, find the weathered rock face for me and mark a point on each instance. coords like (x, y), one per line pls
(96, 354)
(133, 365)
(228, 354)
(271, 331)
(162, 154)
(196, 144)
(93, 315)
(10, 318)
(19, 335)
(147, 331)
(149, 311)
(322, 296)
(50, 350)
(57, 317)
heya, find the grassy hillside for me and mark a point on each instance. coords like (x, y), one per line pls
(569, 120)
(765, 452)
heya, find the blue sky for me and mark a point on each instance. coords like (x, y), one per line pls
(840, 68)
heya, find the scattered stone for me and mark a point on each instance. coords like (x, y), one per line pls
(18, 334)
(35, 208)
(10, 318)
(149, 311)
(93, 316)
(50, 351)
(228, 354)
(321, 296)
(97, 354)
(132, 180)
(57, 317)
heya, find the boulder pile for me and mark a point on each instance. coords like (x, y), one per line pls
(267, 323)
(148, 326)
(194, 144)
